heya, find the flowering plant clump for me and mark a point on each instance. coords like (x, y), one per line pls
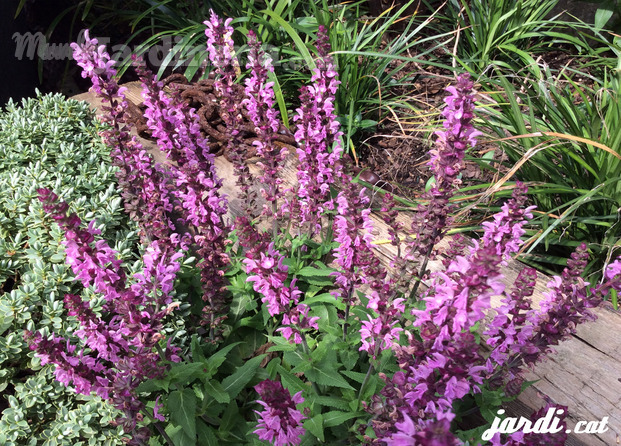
(118, 352)
(311, 338)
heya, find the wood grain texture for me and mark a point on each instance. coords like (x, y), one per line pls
(584, 373)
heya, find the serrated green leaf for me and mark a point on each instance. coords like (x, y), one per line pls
(237, 381)
(178, 435)
(182, 407)
(230, 418)
(272, 368)
(218, 358)
(349, 357)
(152, 385)
(307, 440)
(215, 390)
(328, 377)
(315, 426)
(302, 367)
(290, 381)
(335, 417)
(295, 358)
(185, 373)
(356, 376)
(330, 401)
(206, 434)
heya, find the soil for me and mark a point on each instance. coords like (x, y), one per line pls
(397, 152)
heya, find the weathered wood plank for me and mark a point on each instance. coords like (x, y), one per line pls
(585, 372)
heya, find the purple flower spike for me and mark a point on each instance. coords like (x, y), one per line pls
(280, 422)
(221, 54)
(318, 136)
(197, 187)
(259, 103)
(448, 155)
(147, 198)
(447, 161)
(121, 344)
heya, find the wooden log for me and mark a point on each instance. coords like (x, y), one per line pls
(585, 372)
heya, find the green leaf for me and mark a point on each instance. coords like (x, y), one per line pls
(307, 440)
(6, 317)
(316, 276)
(290, 381)
(218, 358)
(281, 345)
(349, 357)
(237, 381)
(230, 419)
(602, 16)
(331, 401)
(178, 436)
(206, 434)
(325, 298)
(328, 377)
(321, 350)
(311, 271)
(272, 368)
(295, 358)
(215, 390)
(182, 407)
(301, 47)
(356, 376)
(240, 304)
(335, 417)
(152, 385)
(315, 426)
(328, 319)
(197, 350)
(185, 373)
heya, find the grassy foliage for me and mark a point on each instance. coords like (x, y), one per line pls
(506, 34)
(559, 134)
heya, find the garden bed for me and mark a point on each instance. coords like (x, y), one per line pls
(583, 374)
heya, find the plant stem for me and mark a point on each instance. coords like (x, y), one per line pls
(307, 351)
(347, 307)
(364, 383)
(345, 324)
(423, 267)
(163, 433)
(274, 219)
(160, 351)
(419, 279)
(159, 427)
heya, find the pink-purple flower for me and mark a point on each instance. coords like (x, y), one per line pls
(280, 422)
(269, 275)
